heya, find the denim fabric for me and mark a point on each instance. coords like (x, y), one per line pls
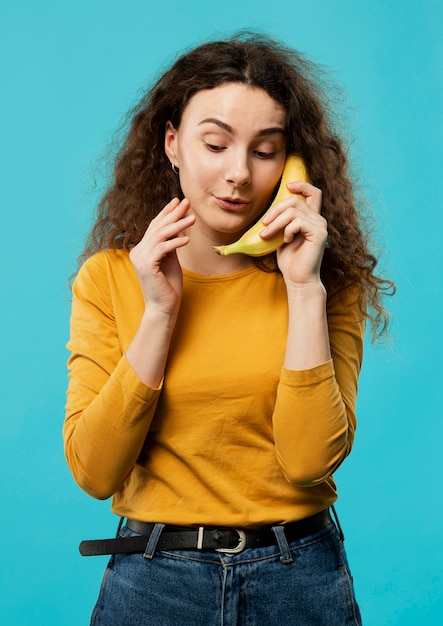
(305, 583)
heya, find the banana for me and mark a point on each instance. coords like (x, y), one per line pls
(250, 242)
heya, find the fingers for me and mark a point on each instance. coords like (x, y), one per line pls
(312, 195)
(299, 213)
(303, 194)
(165, 232)
(154, 257)
(312, 229)
(170, 222)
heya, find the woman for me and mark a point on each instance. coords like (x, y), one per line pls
(213, 397)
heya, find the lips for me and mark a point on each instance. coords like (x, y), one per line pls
(232, 204)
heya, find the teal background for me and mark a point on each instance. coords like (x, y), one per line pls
(69, 72)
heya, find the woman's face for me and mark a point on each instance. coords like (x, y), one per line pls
(230, 149)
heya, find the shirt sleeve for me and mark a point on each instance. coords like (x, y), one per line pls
(108, 410)
(314, 419)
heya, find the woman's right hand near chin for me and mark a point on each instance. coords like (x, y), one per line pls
(158, 270)
(155, 261)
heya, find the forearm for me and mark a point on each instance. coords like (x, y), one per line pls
(313, 428)
(154, 331)
(314, 417)
(106, 424)
(109, 406)
(109, 415)
(308, 337)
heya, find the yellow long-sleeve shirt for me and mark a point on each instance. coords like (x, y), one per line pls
(232, 438)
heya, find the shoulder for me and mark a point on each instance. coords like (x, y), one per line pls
(105, 259)
(104, 262)
(103, 268)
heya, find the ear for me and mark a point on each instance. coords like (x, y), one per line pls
(171, 143)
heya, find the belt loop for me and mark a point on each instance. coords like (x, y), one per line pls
(286, 556)
(119, 527)
(337, 523)
(153, 541)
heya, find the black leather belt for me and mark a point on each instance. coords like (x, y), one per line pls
(205, 538)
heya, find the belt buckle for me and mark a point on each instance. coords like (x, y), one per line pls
(239, 547)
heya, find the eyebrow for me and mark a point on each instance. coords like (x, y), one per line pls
(227, 128)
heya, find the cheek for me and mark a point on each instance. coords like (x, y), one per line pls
(267, 190)
(197, 175)
(193, 183)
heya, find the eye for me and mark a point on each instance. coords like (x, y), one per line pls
(265, 155)
(213, 147)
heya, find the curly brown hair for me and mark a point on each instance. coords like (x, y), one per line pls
(143, 181)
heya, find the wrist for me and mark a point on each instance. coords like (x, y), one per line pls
(161, 320)
(308, 337)
(314, 290)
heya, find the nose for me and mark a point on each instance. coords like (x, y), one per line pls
(238, 172)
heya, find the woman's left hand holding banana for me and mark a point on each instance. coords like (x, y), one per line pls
(305, 234)
(299, 260)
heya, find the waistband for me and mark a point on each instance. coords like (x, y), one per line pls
(204, 538)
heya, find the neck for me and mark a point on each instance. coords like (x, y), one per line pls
(199, 256)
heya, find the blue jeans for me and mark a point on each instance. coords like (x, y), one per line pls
(304, 583)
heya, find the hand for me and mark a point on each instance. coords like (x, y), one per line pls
(305, 233)
(155, 258)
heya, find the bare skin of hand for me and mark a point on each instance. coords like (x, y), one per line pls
(299, 260)
(159, 273)
(305, 234)
(155, 260)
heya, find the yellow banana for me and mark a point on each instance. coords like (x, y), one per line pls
(250, 242)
